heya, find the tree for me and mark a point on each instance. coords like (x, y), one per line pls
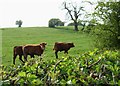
(74, 13)
(108, 16)
(55, 22)
(19, 23)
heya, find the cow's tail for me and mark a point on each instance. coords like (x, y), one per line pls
(14, 52)
(14, 55)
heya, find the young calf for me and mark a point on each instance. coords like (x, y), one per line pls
(17, 50)
(61, 46)
(33, 49)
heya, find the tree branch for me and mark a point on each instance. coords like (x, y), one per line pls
(56, 65)
(81, 8)
(110, 31)
(69, 11)
(88, 67)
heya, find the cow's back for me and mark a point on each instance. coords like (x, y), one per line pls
(60, 46)
(32, 49)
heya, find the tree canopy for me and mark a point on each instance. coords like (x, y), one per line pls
(55, 22)
(107, 16)
(19, 23)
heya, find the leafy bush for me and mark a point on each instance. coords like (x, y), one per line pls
(107, 20)
(93, 67)
(105, 38)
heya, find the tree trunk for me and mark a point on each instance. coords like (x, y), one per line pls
(83, 27)
(76, 26)
(19, 26)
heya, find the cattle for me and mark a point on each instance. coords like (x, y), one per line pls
(17, 50)
(61, 46)
(33, 49)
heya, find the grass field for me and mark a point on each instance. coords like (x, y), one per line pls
(35, 35)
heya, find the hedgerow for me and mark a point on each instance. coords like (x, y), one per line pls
(91, 68)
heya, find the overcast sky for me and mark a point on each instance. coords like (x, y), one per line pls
(31, 12)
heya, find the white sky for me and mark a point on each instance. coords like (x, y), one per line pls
(31, 12)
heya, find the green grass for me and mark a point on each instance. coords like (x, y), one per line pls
(35, 35)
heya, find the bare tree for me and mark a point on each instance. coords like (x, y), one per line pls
(74, 12)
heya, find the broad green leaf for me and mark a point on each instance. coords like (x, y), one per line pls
(22, 74)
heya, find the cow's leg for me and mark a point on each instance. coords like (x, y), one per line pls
(66, 52)
(32, 56)
(14, 57)
(56, 54)
(25, 57)
(40, 57)
(20, 57)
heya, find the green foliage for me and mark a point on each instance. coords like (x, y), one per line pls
(107, 17)
(91, 68)
(19, 23)
(55, 22)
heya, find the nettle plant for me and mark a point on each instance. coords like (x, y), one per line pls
(93, 67)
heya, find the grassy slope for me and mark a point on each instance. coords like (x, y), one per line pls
(34, 35)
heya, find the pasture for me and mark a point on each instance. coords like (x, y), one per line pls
(34, 35)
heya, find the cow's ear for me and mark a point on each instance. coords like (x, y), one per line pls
(71, 42)
(45, 43)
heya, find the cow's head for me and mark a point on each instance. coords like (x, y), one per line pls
(43, 45)
(71, 44)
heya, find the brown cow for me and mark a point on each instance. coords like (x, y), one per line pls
(61, 46)
(33, 49)
(17, 50)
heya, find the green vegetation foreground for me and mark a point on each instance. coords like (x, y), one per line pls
(35, 35)
(95, 67)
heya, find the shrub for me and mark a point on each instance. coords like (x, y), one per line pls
(107, 18)
(91, 68)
